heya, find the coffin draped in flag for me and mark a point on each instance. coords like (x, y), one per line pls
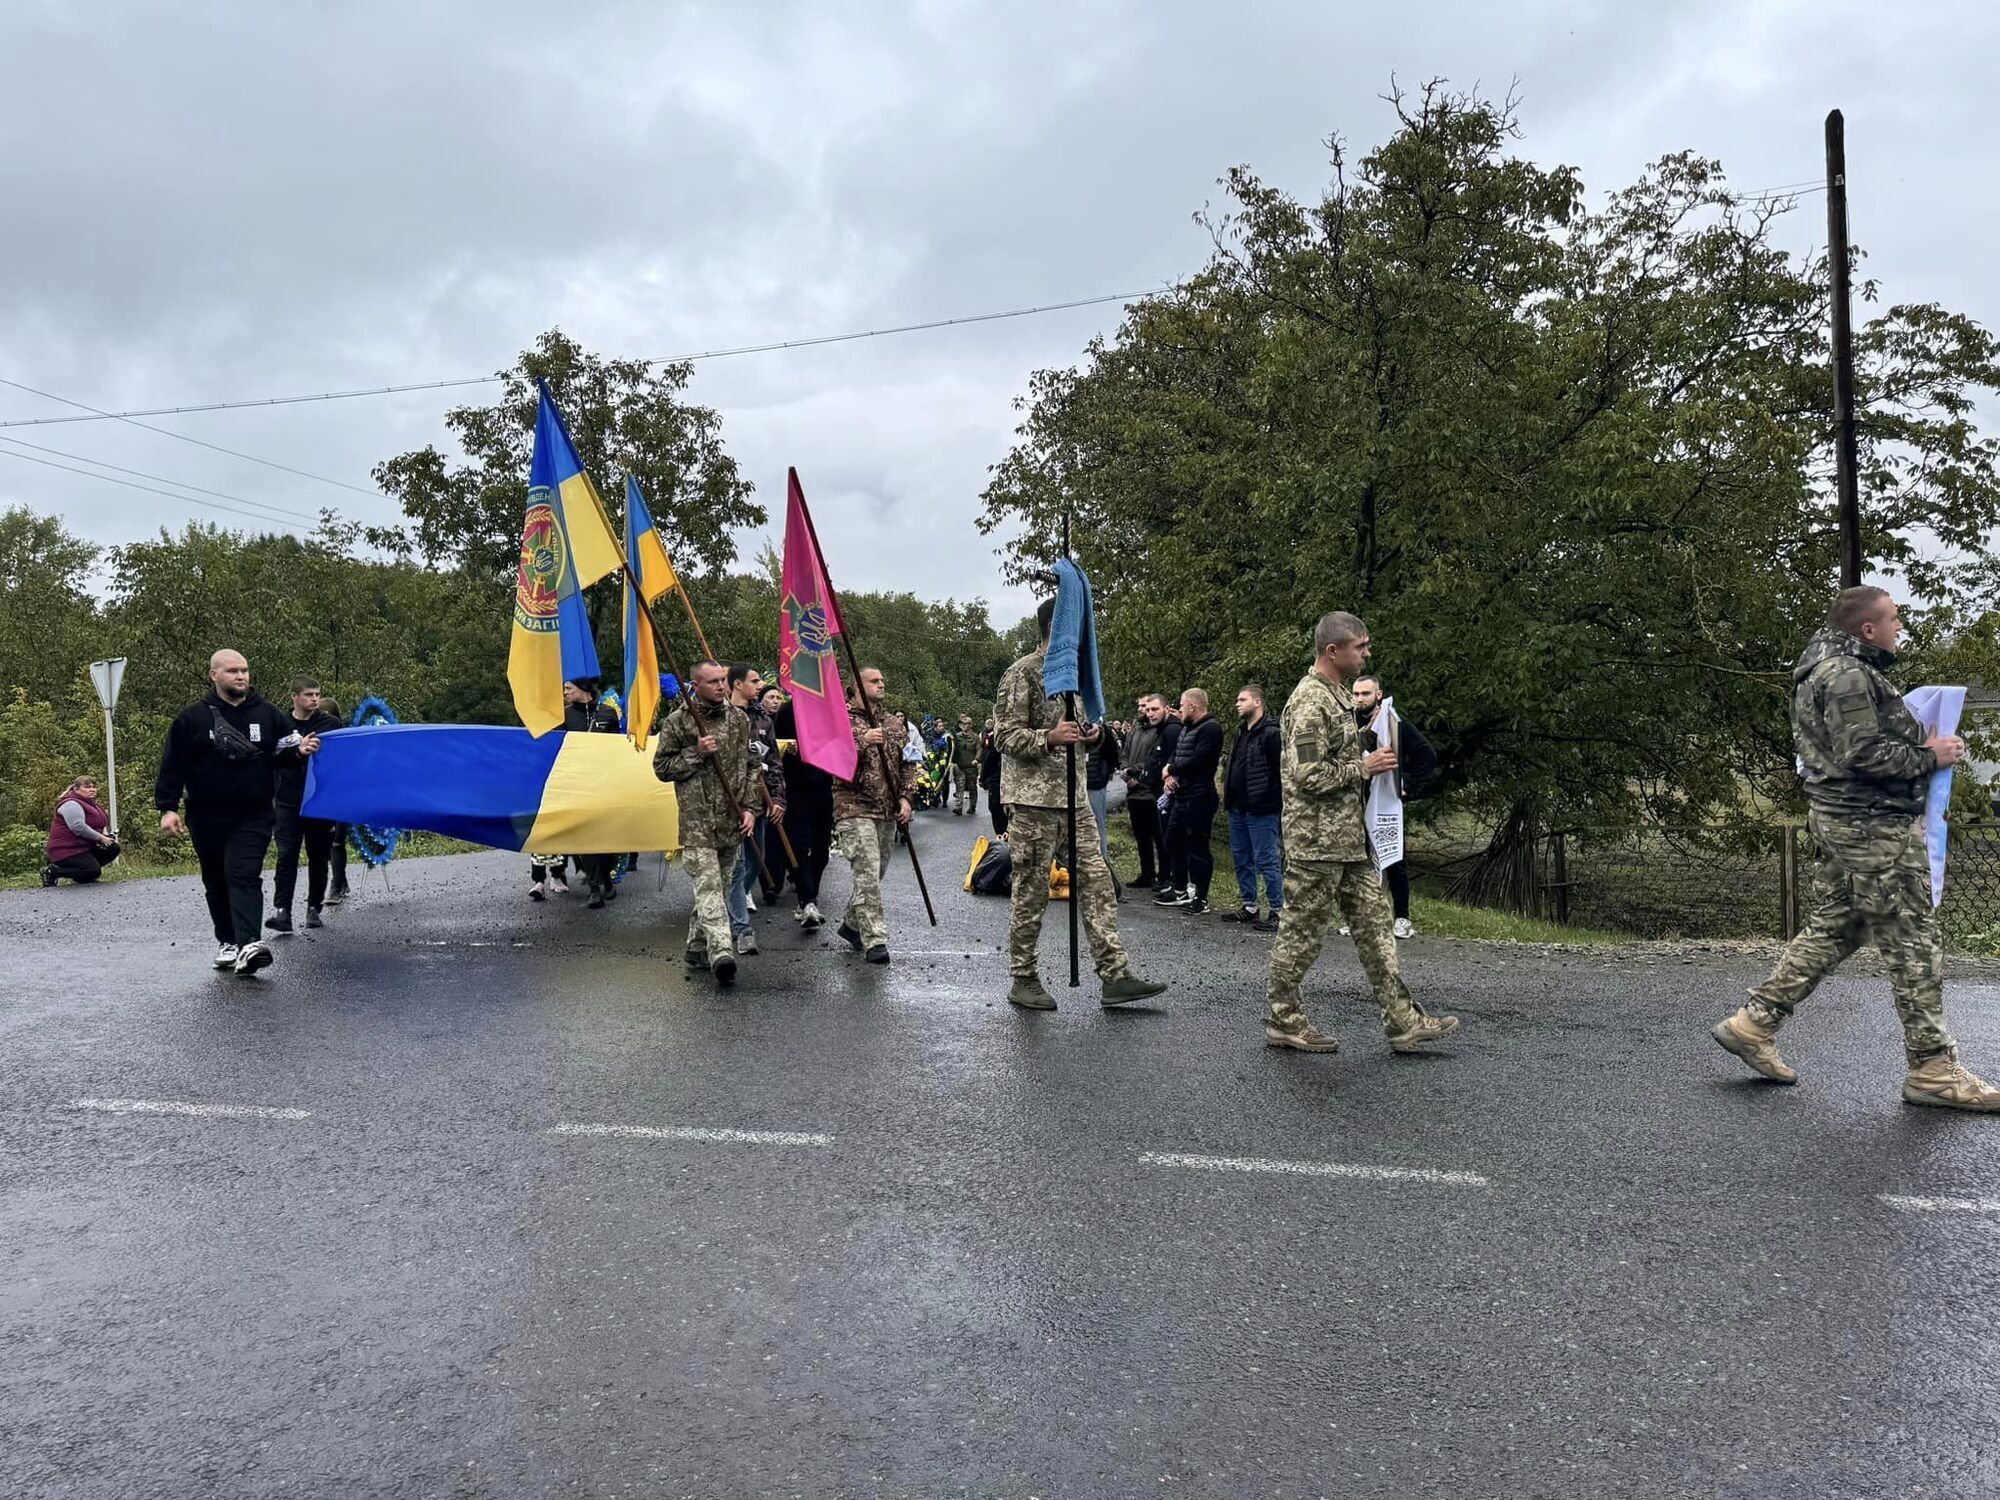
(554, 793)
(808, 669)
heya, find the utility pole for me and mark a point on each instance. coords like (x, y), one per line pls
(1839, 264)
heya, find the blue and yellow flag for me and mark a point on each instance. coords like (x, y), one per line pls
(567, 544)
(652, 578)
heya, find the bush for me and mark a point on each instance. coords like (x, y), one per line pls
(22, 850)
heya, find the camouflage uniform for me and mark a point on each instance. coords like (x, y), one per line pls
(1034, 788)
(711, 832)
(1866, 772)
(864, 812)
(965, 770)
(1329, 866)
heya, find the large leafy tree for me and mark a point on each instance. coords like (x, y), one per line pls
(48, 618)
(1572, 465)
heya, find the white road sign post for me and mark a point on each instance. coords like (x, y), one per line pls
(108, 677)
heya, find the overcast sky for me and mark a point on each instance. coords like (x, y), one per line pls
(219, 202)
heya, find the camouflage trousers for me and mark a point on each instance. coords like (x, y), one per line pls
(865, 844)
(1871, 879)
(1037, 836)
(964, 790)
(710, 871)
(1315, 891)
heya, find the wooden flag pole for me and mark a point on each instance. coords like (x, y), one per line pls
(891, 775)
(1069, 707)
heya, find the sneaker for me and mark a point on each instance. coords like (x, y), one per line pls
(725, 971)
(336, 896)
(1129, 987)
(746, 943)
(879, 954)
(535, 893)
(810, 918)
(752, 905)
(312, 917)
(1404, 928)
(225, 956)
(1265, 924)
(251, 957)
(559, 885)
(1245, 914)
(596, 901)
(848, 936)
(1753, 1037)
(1421, 1031)
(1194, 906)
(279, 920)
(1305, 1037)
(1946, 1082)
(1166, 895)
(48, 876)
(695, 958)
(1028, 993)
(611, 890)
(1345, 930)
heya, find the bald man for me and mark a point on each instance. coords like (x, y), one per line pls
(222, 755)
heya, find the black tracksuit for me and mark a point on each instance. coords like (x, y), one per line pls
(808, 813)
(294, 829)
(228, 803)
(1191, 814)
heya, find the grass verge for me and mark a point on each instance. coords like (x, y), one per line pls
(413, 846)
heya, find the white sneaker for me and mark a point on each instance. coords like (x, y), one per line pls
(747, 944)
(750, 901)
(251, 957)
(812, 917)
(225, 956)
(1346, 931)
(1405, 928)
(559, 886)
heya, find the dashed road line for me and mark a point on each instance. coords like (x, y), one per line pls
(697, 1133)
(1312, 1169)
(1940, 1205)
(180, 1107)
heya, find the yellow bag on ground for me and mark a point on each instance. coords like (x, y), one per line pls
(979, 847)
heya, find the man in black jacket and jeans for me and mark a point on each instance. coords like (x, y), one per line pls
(222, 753)
(294, 828)
(1253, 797)
(1142, 786)
(1190, 783)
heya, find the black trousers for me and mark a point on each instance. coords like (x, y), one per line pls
(596, 870)
(1398, 878)
(1145, 814)
(809, 825)
(997, 811)
(83, 866)
(317, 836)
(231, 851)
(1190, 826)
(337, 864)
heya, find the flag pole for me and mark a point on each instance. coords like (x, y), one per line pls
(1069, 707)
(891, 777)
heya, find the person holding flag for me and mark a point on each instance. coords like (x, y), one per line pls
(650, 579)
(1034, 732)
(704, 750)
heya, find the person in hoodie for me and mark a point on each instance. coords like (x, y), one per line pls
(222, 754)
(1866, 766)
(309, 716)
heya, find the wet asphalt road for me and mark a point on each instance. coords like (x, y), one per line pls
(1634, 1270)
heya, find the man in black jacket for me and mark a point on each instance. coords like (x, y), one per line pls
(1416, 763)
(289, 779)
(1190, 783)
(1254, 798)
(222, 754)
(1142, 786)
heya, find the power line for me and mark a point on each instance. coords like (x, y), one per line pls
(8, 452)
(126, 417)
(277, 510)
(470, 380)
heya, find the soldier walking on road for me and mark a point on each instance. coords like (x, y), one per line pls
(1329, 867)
(712, 834)
(865, 814)
(1032, 731)
(1866, 770)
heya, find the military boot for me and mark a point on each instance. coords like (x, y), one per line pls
(1027, 992)
(1305, 1037)
(1420, 1030)
(1752, 1034)
(1946, 1082)
(1129, 987)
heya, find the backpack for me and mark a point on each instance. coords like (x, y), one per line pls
(993, 873)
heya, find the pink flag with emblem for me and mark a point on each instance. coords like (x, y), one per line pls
(808, 621)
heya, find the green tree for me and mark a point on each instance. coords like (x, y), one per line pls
(48, 619)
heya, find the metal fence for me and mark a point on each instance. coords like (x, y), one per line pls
(1705, 881)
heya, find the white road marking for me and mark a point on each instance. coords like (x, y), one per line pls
(177, 1107)
(698, 1133)
(1312, 1168)
(1941, 1205)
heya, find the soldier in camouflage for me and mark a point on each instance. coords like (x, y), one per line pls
(712, 832)
(965, 768)
(1032, 732)
(1866, 768)
(1329, 865)
(866, 814)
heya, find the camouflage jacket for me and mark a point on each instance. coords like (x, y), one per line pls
(965, 749)
(1860, 750)
(867, 795)
(1033, 773)
(706, 819)
(1320, 766)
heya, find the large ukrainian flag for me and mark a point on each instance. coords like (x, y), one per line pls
(559, 794)
(567, 544)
